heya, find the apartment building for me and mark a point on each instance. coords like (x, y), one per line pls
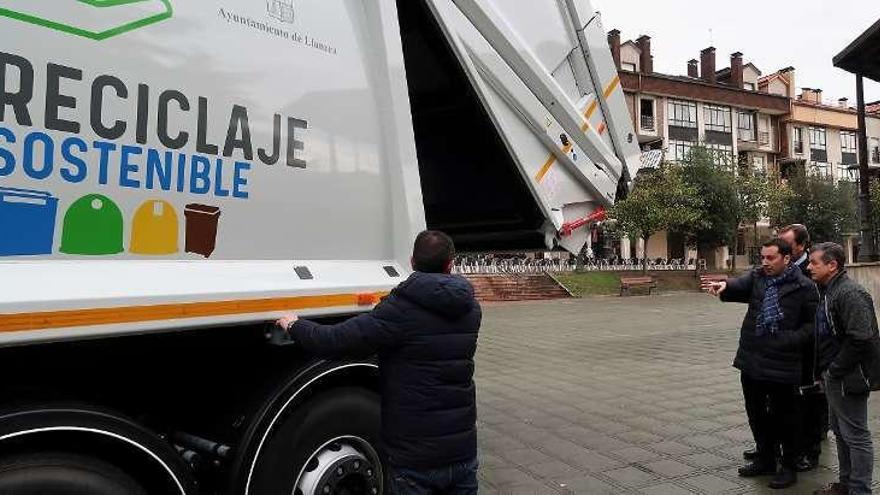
(821, 136)
(721, 109)
(872, 122)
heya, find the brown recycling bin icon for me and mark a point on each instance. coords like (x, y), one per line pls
(201, 228)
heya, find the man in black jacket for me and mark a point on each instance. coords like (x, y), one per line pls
(812, 404)
(848, 358)
(425, 335)
(782, 304)
(798, 237)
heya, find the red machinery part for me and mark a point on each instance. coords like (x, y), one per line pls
(597, 216)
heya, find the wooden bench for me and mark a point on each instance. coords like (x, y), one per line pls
(628, 283)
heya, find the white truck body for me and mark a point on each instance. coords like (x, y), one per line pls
(206, 166)
(285, 125)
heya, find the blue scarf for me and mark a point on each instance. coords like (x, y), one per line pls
(771, 313)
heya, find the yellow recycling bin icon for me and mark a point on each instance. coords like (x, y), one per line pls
(154, 230)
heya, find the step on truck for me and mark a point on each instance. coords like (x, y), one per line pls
(174, 175)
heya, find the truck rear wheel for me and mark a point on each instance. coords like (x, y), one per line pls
(59, 473)
(327, 446)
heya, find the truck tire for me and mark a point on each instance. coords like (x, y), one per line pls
(326, 446)
(58, 473)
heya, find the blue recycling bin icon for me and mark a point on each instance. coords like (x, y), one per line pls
(27, 221)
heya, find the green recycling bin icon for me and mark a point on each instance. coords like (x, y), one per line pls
(94, 19)
(93, 226)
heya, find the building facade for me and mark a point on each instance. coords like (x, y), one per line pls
(821, 137)
(723, 110)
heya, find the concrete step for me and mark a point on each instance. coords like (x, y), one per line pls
(504, 287)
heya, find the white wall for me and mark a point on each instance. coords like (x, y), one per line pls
(657, 246)
(630, 54)
(750, 75)
(777, 87)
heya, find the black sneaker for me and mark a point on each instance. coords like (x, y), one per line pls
(806, 463)
(783, 479)
(756, 468)
(751, 454)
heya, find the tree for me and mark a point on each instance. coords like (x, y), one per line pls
(660, 200)
(827, 208)
(752, 194)
(712, 176)
(733, 197)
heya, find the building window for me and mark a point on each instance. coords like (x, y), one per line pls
(818, 145)
(798, 139)
(848, 153)
(759, 164)
(746, 126)
(723, 153)
(764, 130)
(749, 86)
(875, 150)
(646, 114)
(844, 173)
(717, 118)
(682, 114)
(821, 169)
(679, 150)
(628, 66)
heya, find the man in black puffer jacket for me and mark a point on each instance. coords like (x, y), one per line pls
(780, 319)
(425, 335)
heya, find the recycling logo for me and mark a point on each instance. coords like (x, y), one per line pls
(93, 19)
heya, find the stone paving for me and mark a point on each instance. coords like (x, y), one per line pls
(630, 395)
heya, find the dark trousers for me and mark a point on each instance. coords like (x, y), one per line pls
(456, 479)
(774, 419)
(814, 423)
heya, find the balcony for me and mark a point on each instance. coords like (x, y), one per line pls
(647, 123)
(746, 134)
(764, 138)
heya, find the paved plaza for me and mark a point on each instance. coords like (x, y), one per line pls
(631, 395)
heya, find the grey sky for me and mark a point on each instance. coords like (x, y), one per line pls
(772, 34)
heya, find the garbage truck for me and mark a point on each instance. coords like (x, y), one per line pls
(176, 175)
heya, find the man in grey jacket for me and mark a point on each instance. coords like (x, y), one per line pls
(848, 358)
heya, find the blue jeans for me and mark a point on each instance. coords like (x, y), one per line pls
(855, 451)
(457, 479)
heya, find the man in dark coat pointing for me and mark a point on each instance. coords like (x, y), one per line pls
(779, 320)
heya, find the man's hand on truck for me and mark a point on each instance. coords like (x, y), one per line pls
(286, 321)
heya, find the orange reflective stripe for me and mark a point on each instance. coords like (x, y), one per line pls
(611, 86)
(591, 109)
(134, 314)
(586, 125)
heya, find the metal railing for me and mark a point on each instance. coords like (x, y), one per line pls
(522, 264)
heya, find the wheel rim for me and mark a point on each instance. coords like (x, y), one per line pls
(343, 466)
